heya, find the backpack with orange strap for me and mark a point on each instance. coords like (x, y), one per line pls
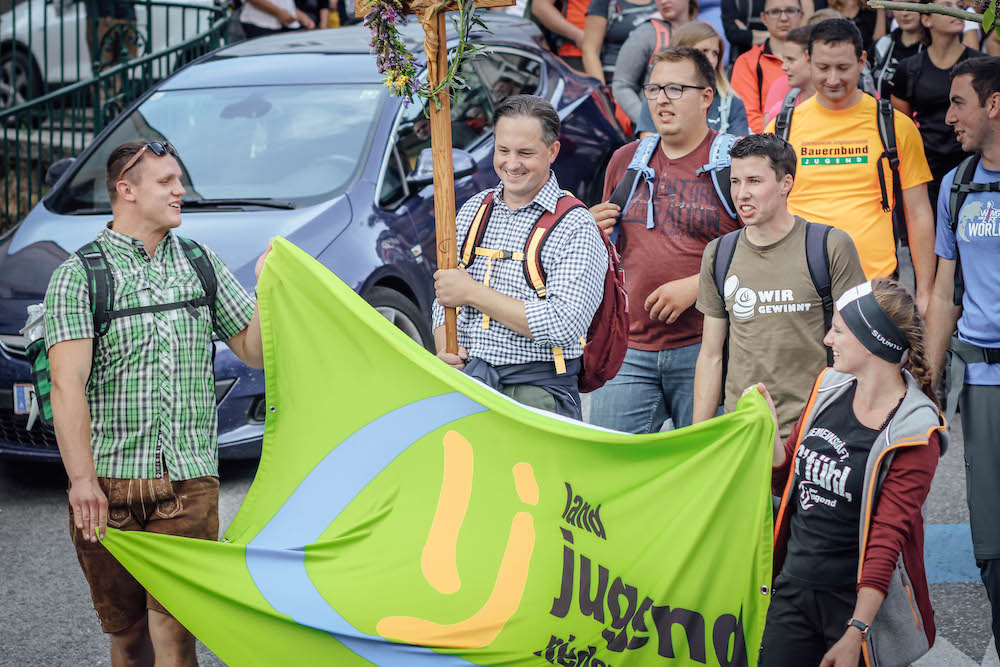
(607, 337)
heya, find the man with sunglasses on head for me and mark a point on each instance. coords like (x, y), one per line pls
(133, 397)
(673, 213)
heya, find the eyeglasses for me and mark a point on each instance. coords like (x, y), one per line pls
(159, 148)
(788, 12)
(674, 91)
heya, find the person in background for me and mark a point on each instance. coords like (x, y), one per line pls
(607, 26)
(510, 338)
(270, 17)
(756, 70)
(663, 232)
(710, 11)
(318, 11)
(727, 113)
(968, 249)
(904, 41)
(821, 15)
(636, 56)
(870, 22)
(798, 76)
(566, 25)
(741, 20)
(835, 134)
(867, 81)
(346, 13)
(770, 256)
(853, 478)
(920, 90)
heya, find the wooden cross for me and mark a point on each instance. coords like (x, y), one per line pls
(432, 16)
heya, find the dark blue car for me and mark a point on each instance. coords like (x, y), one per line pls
(295, 135)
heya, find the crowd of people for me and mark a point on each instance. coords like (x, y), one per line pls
(758, 221)
(783, 276)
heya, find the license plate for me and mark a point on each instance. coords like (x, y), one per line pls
(22, 398)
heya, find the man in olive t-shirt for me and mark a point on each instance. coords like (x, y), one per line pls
(770, 307)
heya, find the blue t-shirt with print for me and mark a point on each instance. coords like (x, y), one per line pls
(979, 235)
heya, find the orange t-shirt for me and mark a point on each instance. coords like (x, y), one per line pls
(837, 183)
(575, 12)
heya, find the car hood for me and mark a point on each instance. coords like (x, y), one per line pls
(30, 254)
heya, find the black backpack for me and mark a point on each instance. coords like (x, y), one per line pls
(102, 286)
(817, 259)
(102, 299)
(887, 133)
(960, 189)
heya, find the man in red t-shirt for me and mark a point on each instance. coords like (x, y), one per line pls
(662, 261)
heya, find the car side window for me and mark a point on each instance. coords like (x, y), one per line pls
(505, 74)
(471, 110)
(394, 189)
(414, 134)
(471, 116)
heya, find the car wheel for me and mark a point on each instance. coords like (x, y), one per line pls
(18, 78)
(402, 312)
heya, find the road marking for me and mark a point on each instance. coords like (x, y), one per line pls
(948, 554)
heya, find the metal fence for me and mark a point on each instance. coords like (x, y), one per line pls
(66, 70)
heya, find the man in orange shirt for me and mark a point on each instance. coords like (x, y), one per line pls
(836, 138)
(758, 68)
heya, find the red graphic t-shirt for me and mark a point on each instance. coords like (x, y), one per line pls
(687, 215)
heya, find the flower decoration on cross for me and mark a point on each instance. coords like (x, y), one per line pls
(399, 66)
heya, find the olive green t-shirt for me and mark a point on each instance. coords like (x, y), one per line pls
(775, 314)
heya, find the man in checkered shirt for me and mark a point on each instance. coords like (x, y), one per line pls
(135, 413)
(508, 336)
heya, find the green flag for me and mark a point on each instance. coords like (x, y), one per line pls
(405, 515)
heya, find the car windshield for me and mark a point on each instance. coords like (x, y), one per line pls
(299, 144)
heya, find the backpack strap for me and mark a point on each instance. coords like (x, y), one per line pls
(474, 237)
(206, 272)
(534, 272)
(639, 166)
(101, 284)
(818, 261)
(783, 121)
(724, 252)
(719, 167)
(662, 29)
(887, 133)
(960, 189)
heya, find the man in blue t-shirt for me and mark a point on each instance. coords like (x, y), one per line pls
(969, 250)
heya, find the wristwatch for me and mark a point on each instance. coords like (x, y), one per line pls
(860, 625)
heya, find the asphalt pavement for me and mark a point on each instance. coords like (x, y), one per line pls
(46, 617)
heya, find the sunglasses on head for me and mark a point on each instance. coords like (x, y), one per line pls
(159, 149)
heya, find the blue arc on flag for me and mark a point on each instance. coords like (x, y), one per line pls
(276, 556)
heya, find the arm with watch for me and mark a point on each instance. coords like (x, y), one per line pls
(847, 651)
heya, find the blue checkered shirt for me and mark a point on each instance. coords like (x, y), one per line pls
(575, 261)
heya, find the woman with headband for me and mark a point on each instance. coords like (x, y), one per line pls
(852, 477)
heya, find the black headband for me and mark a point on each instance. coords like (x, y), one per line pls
(871, 325)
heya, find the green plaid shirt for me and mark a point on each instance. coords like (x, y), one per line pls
(152, 388)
